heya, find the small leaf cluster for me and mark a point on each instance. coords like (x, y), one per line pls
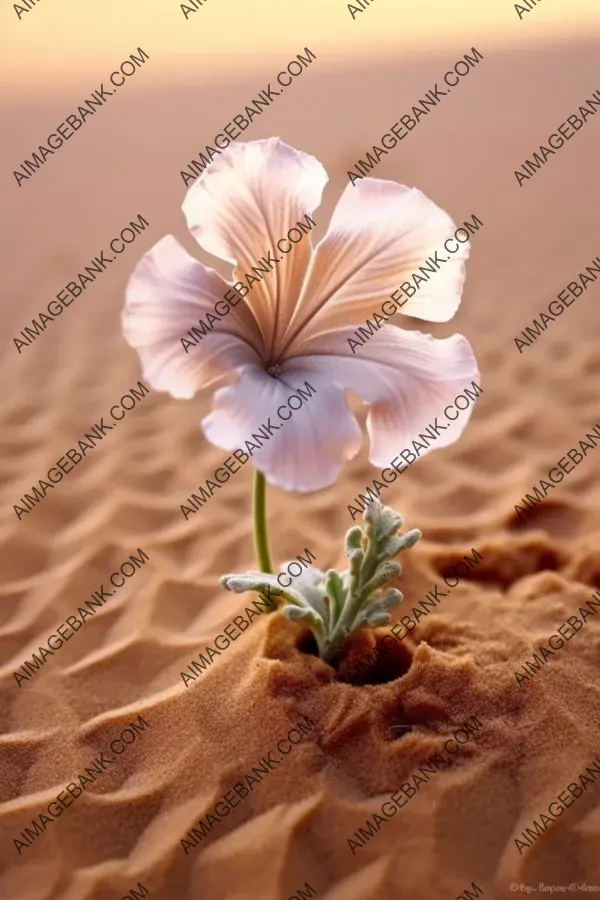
(334, 604)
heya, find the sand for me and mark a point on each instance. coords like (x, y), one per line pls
(535, 738)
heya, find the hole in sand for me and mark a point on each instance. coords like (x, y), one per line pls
(502, 567)
(307, 643)
(557, 519)
(374, 665)
(363, 663)
(548, 561)
(595, 580)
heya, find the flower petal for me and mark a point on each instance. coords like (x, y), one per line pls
(242, 205)
(409, 378)
(166, 295)
(380, 234)
(308, 451)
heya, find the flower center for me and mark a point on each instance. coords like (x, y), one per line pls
(274, 371)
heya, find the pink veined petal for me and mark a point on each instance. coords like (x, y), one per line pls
(167, 294)
(307, 451)
(242, 206)
(380, 234)
(408, 378)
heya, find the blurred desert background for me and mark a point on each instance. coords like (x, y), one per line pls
(126, 494)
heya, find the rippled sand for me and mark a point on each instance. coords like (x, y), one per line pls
(127, 660)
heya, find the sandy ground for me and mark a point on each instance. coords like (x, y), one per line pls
(127, 660)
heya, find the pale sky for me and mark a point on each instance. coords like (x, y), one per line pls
(62, 39)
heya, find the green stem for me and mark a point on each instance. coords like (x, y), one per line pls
(259, 515)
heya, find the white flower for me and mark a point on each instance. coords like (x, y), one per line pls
(299, 317)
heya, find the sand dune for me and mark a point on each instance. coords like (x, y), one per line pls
(125, 662)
